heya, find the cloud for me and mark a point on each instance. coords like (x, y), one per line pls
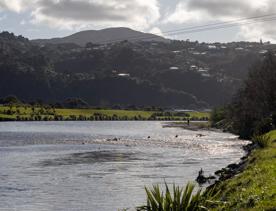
(156, 31)
(144, 14)
(23, 22)
(203, 11)
(14, 5)
(75, 14)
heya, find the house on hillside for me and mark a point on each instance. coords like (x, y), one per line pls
(202, 70)
(123, 74)
(174, 68)
(194, 67)
(263, 51)
(212, 47)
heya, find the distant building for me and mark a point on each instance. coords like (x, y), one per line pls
(174, 68)
(124, 74)
(193, 67)
(212, 47)
(263, 51)
(196, 53)
(176, 52)
(203, 70)
(206, 75)
(239, 49)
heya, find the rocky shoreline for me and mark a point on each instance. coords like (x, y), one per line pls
(225, 173)
(228, 172)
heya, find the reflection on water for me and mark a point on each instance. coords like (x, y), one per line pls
(66, 166)
(90, 158)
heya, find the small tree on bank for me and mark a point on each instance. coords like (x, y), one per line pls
(253, 106)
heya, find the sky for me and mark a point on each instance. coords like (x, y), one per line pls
(57, 18)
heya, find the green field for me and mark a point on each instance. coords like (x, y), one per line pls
(254, 188)
(46, 113)
(89, 112)
(66, 113)
(199, 114)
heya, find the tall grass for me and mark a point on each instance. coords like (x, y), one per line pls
(180, 199)
(263, 141)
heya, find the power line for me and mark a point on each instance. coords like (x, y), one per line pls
(220, 23)
(201, 28)
(195, 30)
(225, 26)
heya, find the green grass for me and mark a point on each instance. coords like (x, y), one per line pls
(89, 112)
(272, 135)
(199, 114)
(263, 141)
(254, 188)
(27, 111)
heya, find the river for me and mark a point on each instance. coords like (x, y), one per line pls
(80, 166)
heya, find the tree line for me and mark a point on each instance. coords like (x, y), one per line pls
(253, 108)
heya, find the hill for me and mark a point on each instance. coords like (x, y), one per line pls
(180, 74)
(104, 36)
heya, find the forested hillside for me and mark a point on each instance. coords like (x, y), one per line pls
(168, 74)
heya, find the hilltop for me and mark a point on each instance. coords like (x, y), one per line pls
(104, 36)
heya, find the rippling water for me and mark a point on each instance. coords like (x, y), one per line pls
(66, 166)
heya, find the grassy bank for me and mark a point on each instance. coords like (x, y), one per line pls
(31, 113)
(255, 187)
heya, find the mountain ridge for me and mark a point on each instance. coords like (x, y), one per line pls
(103, 36)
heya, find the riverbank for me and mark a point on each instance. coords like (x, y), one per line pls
(193, 125)
(44, 113)
(248, 185)
(251, 184)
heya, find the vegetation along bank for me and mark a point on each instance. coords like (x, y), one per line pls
(46, 113)
(250, 184)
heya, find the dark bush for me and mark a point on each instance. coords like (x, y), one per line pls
(263, 126)
(273, 119)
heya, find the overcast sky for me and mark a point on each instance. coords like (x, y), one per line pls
(56, 18)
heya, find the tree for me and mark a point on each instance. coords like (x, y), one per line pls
(255, 102)
(11, 99)
(75, 103)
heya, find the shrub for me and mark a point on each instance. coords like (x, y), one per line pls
(217, 115)
(58, 117)
(180, 199)
(11, 99)
(9, 112)
(263, 126)
(72, 117)
(81, 118)
(46, 118)
(37, 118)
(262, 141)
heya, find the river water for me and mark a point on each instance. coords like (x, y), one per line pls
(78, 166)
